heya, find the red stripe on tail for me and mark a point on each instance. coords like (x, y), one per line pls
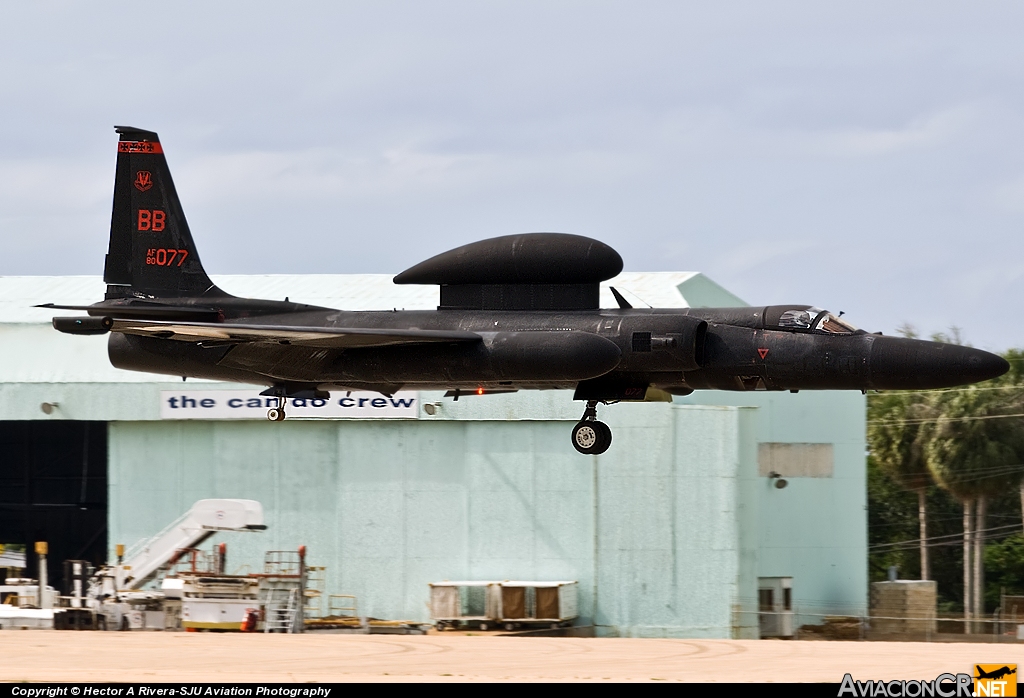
(139, 147)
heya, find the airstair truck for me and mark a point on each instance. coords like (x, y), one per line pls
(117, 590)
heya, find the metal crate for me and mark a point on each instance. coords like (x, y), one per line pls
(456, 604)
(509, 604)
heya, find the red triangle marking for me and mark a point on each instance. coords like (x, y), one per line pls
(762, 352)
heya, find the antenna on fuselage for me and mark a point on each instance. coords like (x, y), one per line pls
(623, 303)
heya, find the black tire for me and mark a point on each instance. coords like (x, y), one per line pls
(275, 414)
(606, 437)
(586, 437)
(591, 437)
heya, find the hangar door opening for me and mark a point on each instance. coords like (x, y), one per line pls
(53, 488)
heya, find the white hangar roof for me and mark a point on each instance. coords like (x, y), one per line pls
(661, 289)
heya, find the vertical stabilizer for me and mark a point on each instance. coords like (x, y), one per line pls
(151, 253)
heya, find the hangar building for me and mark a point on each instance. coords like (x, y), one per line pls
(679, 530)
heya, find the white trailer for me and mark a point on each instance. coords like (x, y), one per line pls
(531, 604)
(509, 604)
(461, 604)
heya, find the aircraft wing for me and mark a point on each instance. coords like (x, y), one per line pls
(329, 337)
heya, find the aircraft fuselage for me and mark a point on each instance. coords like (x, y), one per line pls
(607, 350)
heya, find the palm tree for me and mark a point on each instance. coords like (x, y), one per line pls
(974, 449)
(1015, 378)
(895, 437)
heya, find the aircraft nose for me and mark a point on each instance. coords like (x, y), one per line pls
(987, 365)
(907, 364)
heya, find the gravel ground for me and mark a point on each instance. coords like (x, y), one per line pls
(220, 657)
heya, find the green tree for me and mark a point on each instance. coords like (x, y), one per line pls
(895, 437)
(1004, 568)
(971, 443)
(1015, 377)
(974, 450)
(893, 533)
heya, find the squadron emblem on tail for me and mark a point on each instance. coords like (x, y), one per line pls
(143, 180)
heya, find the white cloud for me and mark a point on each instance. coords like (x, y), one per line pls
(46, 186)
(1009, 196)
(791, 254)
(720, 131)
(408, 170)
(920, 133)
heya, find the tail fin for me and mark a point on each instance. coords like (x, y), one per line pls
(151, 251)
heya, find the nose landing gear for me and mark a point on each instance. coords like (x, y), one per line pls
(590, 436)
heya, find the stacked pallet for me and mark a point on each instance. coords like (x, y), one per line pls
(832, 628)
(904, 606)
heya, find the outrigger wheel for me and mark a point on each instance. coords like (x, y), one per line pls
(590, 436)
(276, 414)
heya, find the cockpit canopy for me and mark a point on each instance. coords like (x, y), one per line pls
(804, 318)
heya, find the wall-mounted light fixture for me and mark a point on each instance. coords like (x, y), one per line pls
(780, 482)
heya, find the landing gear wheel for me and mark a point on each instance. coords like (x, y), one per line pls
(275, 414)
(584, 437)
(606, 436)
(591, 437)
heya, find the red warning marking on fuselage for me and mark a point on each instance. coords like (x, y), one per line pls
(143, 180)
(762, 353)
(139, 147)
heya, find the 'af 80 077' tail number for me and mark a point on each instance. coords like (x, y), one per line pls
(164, 257)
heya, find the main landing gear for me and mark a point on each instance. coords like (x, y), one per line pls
(276, 414)
(590, 436)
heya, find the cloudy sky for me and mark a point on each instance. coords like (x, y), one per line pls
(865, 157)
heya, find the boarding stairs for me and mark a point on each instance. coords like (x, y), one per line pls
(280, 607)
(206, 517)
(282, 590)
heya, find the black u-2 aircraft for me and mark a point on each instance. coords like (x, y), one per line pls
(519, 312)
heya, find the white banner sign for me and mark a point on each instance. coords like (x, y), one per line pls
(249, 404)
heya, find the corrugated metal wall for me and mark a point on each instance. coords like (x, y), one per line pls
(662, 522)
(659, 530)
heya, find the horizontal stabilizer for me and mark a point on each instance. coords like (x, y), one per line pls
(330, 337)
(151, 311)
(481, 391)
